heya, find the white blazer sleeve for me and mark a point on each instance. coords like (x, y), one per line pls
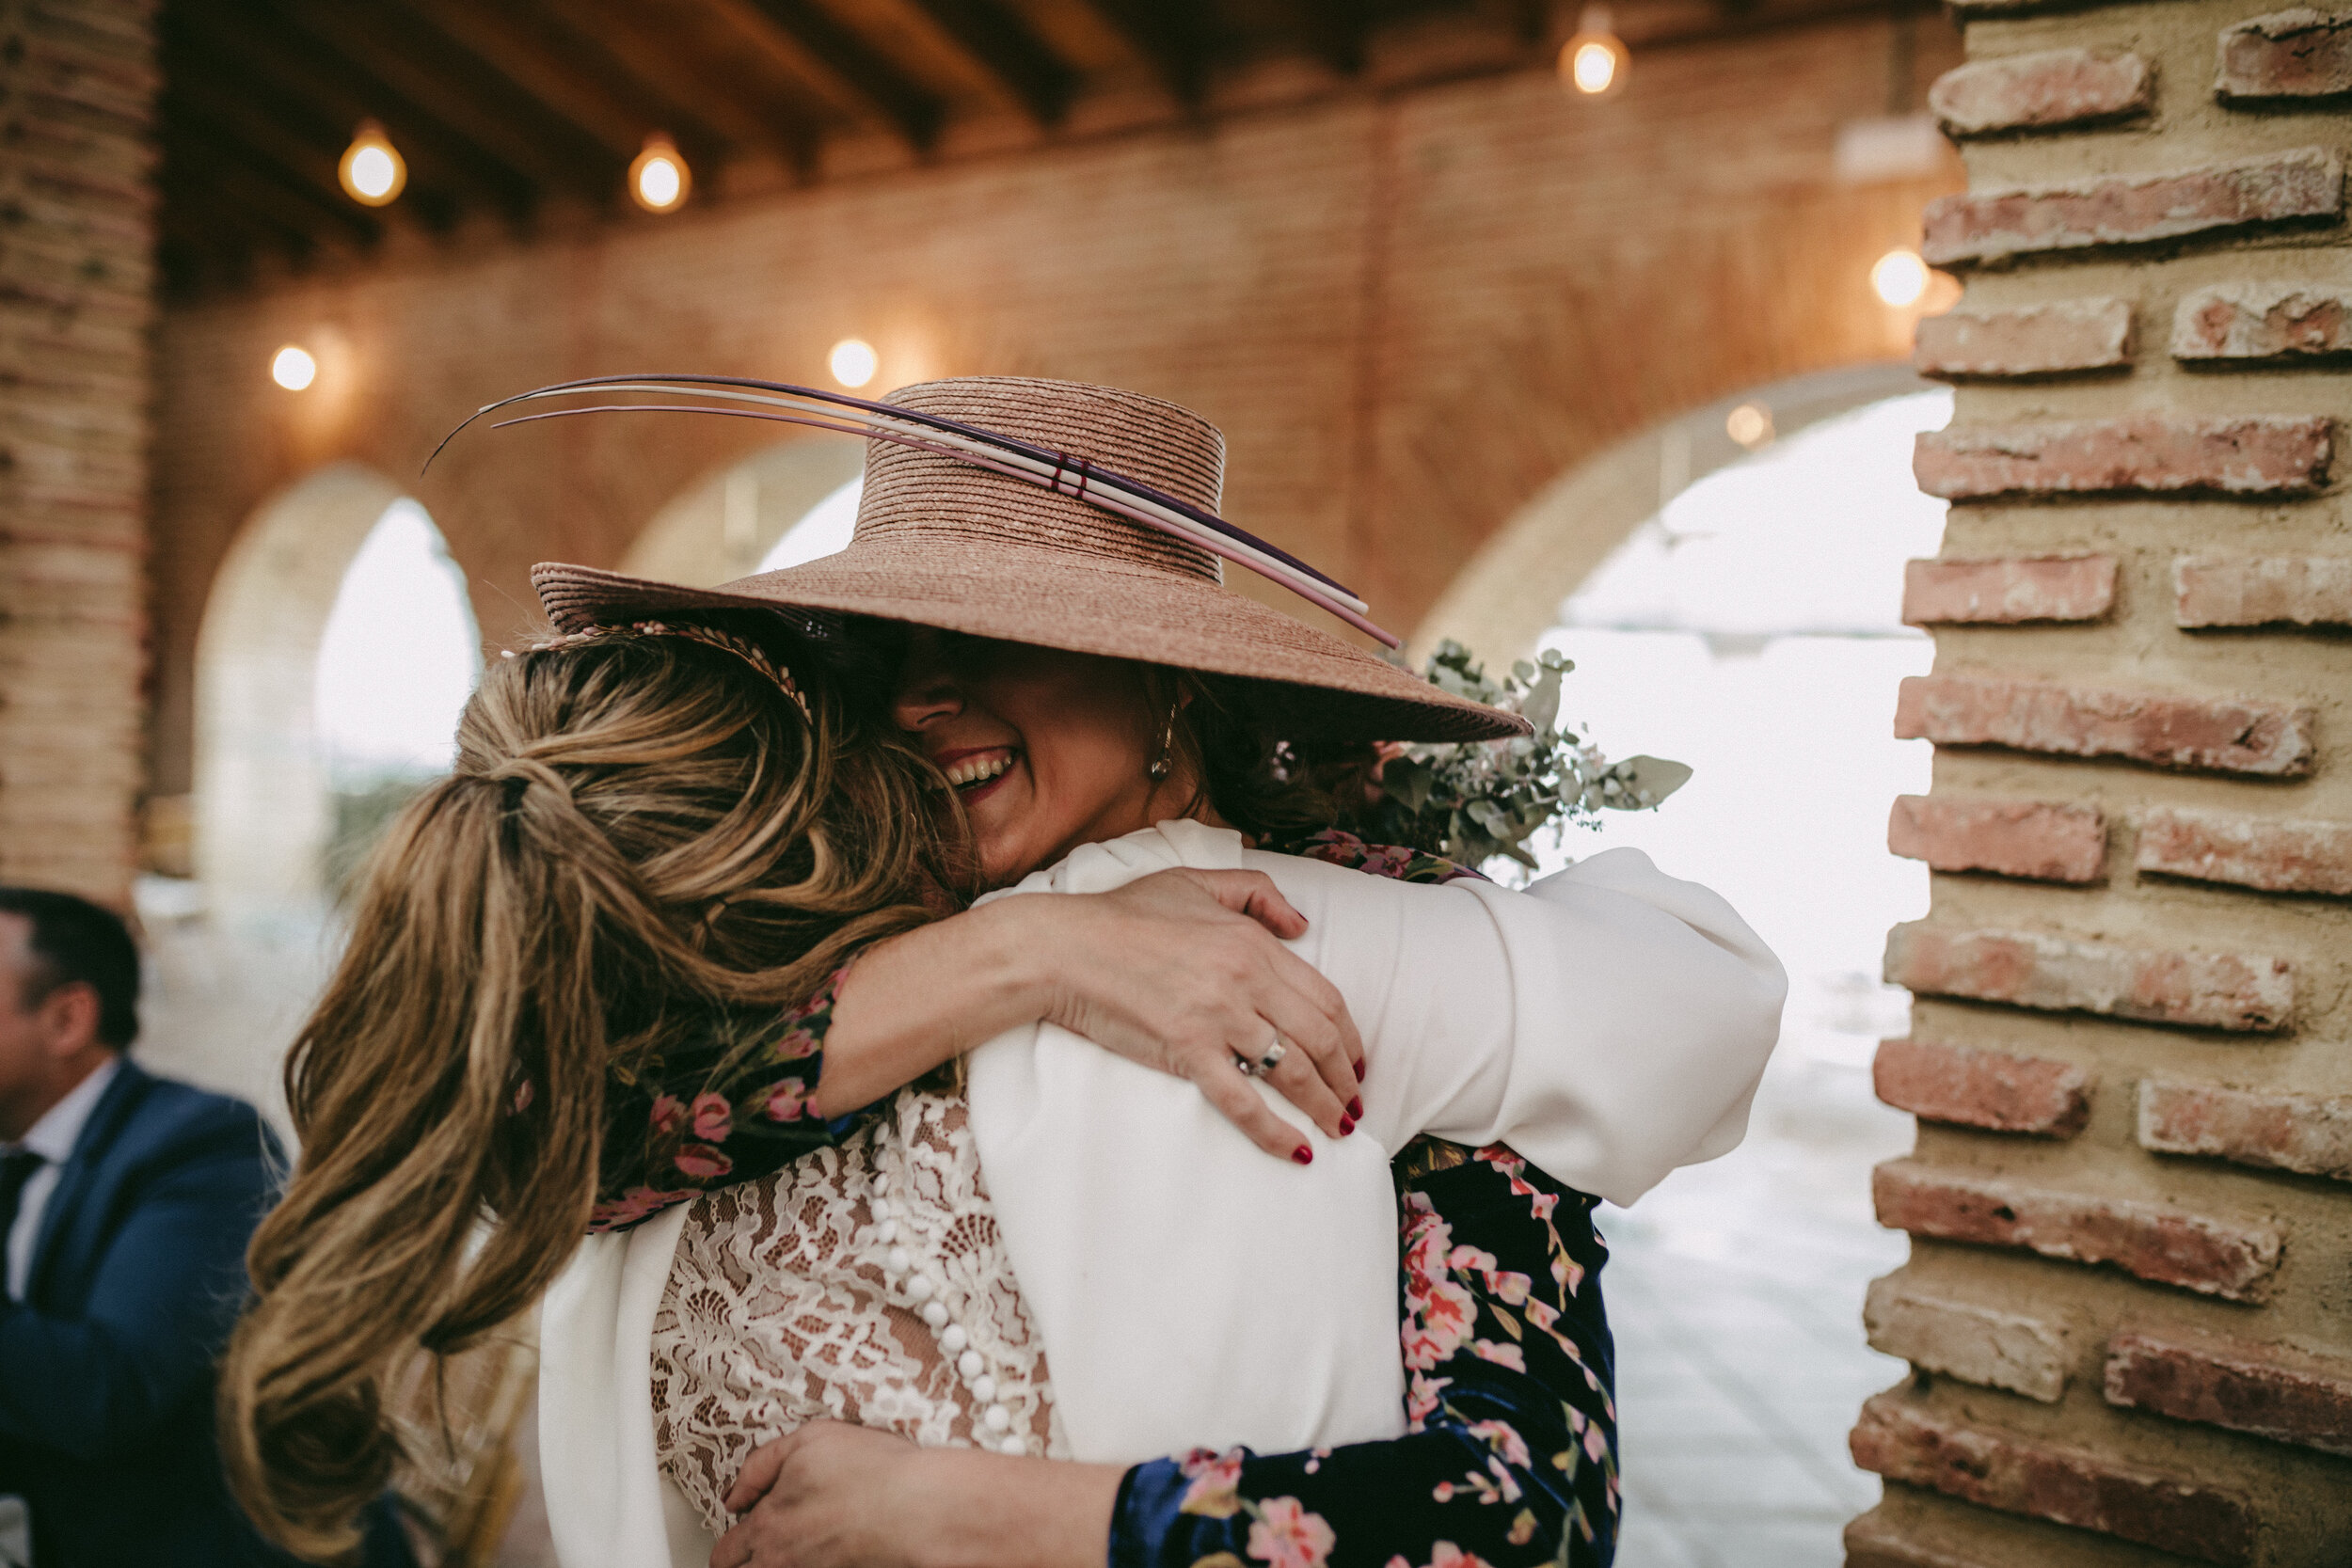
(1190, 1290)
(1610, 1023)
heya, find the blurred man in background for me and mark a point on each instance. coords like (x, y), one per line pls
(126, 1201)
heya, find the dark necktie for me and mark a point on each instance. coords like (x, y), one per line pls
(16, 1169)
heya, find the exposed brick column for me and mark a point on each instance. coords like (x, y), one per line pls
(77, 212)
(2131, 1198)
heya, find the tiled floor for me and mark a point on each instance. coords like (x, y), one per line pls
(1736, 1294)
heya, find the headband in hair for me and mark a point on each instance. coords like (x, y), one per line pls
(742, 647)
(1061, 472)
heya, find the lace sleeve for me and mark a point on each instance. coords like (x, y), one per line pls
(685, 1127)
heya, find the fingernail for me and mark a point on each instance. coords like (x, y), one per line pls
(1304, 1155)
(1356, 1109)
(1348, 1125)
(1359, 1072)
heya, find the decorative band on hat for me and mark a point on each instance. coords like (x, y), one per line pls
(994, 450)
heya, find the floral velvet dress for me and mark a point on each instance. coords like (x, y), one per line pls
(1509, 1454)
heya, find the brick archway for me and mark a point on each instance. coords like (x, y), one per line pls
(260, 811)
(1510, 591)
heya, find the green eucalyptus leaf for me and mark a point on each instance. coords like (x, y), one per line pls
(1542, 706)
(1649, 780)
(1409, 781)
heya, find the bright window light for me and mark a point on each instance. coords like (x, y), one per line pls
(293, 368)
(823, 530)
(852, 361)
(399, 657)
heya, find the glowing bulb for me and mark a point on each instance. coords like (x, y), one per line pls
(293, 368)
(1593, 66)
(1900, 276)
(1750, 424)
(659, 179)
(372, 170)
(852, 361)
(1594, 62)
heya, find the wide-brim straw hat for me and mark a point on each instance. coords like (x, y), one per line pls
(941, 542)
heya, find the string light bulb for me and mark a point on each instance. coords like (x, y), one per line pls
(293, 368)
(659, 179)
(373, 172)
(1750, 424)
(1594, 62)
(1900, 277)
(853, 362)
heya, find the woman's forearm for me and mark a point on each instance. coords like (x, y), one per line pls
(926, 997)
(985, 1511)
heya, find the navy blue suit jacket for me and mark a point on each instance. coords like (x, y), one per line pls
(106, 1365)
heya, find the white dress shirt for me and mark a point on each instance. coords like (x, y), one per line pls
(53, 1138)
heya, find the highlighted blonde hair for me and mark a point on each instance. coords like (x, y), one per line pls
(643, 837)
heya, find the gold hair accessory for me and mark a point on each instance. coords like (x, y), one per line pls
(743, 648)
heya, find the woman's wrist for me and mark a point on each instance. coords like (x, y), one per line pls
(986, 1511)
(919, 1000)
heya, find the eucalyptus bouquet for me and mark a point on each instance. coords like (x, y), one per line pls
(1472, 800)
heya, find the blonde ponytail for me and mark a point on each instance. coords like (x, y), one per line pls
(641, 839)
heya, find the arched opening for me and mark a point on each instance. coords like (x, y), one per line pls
(398, 658)
(732, 523)
(1740, 611)
(337, 648)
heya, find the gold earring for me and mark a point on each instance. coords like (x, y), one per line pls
(1161, 765)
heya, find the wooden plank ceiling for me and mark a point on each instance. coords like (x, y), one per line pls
(518, 115)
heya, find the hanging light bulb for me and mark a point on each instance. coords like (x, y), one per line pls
(373, 172)
(853, 362)
(659, 179)
(1596, 60)
(293, 368)
(1900, 277)
(1750, 424)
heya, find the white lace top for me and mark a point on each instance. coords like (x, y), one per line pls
(779, 1310)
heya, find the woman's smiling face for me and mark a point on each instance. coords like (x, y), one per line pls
(1047, 749)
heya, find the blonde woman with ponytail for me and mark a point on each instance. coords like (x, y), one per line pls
(645, 856)
(657, 851)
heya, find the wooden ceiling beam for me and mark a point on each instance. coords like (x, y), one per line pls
(241, 52)
(1005, 47)
(541, 65)
(1173, 38)
(237, 177)
(313, 157)
(460, 91)
(1335, 31)
(697, 92)
(221, 222)
(847, 59)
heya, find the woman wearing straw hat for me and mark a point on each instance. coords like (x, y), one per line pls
(1043, 560)
(1081, 676)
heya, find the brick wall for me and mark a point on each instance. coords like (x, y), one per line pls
(1411, 310)
(2129, 1300)
(77, 90)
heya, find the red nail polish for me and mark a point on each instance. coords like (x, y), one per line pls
(1348, 1125)
(1359, 1072)
(1356, 1109)
(1304, 1155)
